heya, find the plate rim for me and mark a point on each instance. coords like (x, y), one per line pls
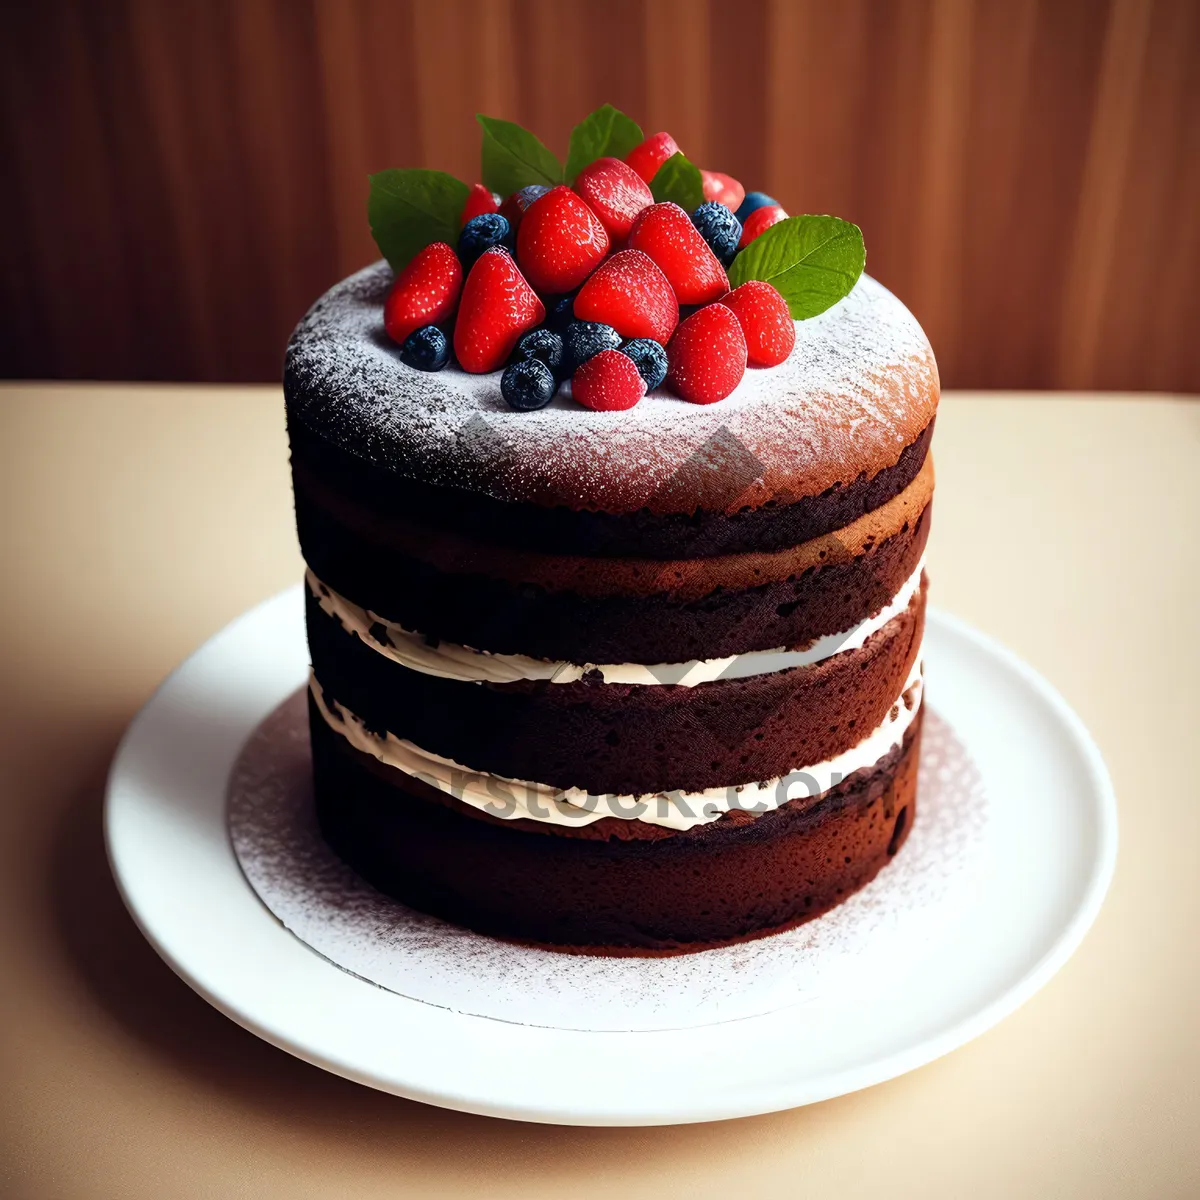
(769, 1098)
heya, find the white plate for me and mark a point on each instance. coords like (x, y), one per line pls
(1051, 847)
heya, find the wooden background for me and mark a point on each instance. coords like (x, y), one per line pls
(183, 177)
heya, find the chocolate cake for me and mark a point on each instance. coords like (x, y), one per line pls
(636, 681)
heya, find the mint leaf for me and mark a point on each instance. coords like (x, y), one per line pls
(812, 261)
(512, 158)
(678, 181)
(605, 133)
(410, 208)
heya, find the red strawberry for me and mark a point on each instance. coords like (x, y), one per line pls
(616, 193)
(560, 242)
(649, 155)
(724, 189)
(666, 233)
(497, 307)
(706, 358)
(759, 221)
(425, 291)
(608, 382)
(632, 295)
(479, 200)
(763, 315)
(516, 206)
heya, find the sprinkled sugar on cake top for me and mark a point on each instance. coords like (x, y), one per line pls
(860, 384)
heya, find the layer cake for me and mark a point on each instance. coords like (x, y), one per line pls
(626, 682)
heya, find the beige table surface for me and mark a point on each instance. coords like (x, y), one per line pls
(138, 520)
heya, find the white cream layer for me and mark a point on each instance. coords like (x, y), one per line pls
(510, 798)
(450, 661)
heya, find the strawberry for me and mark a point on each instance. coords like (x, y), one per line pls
(707, 356)
(765, 320)
(630, 293)
(666, 233)
(759, 221)
(479, 200)
(516, 206)
(646, 157)
(560, 242)
(497, 307)
(724, 189)
(425, 292)
(608, 382)
(616, 193)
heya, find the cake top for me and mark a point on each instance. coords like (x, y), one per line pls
(621, 331)
(859, 385)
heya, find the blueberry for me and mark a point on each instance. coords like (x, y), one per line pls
(543, 344)
(482, 233)
(752, 201)
(560, 312)
(585, 339)
(528, 384)
(427, 349)
(650, 359)
(719, 228)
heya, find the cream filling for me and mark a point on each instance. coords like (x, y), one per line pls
(510, 798)
(450, 661)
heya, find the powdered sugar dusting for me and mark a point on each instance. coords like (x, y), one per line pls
(859, 386)
(893, 922)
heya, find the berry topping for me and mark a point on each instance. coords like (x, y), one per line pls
(616, 193)
(763, 315)
(650, 359)
(609, 382)
(630, 293)
(666, 233)
(425, 292)
(497, 306)
(585, 339)
(482, 233)
(719, 228)
(707, 355)
(544, 345)
(723, 188)
(427, 349)
(479, 201)
(759, 221)
(517, 205)
(528, 384)
(560, 242)
(752, 201)
(649, 155)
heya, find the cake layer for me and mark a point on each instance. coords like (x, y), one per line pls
(572, 812)
(716, 527)
(742, 876)
(449, 660)
(619, 610)
(859, 386)
(625, 739)
(679, 579)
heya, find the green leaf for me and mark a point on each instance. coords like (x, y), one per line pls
(679, 181)
(409, 209)
(812, 261)
(512, 158)
(606, 133)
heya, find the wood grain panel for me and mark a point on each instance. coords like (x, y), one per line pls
(182, 177)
